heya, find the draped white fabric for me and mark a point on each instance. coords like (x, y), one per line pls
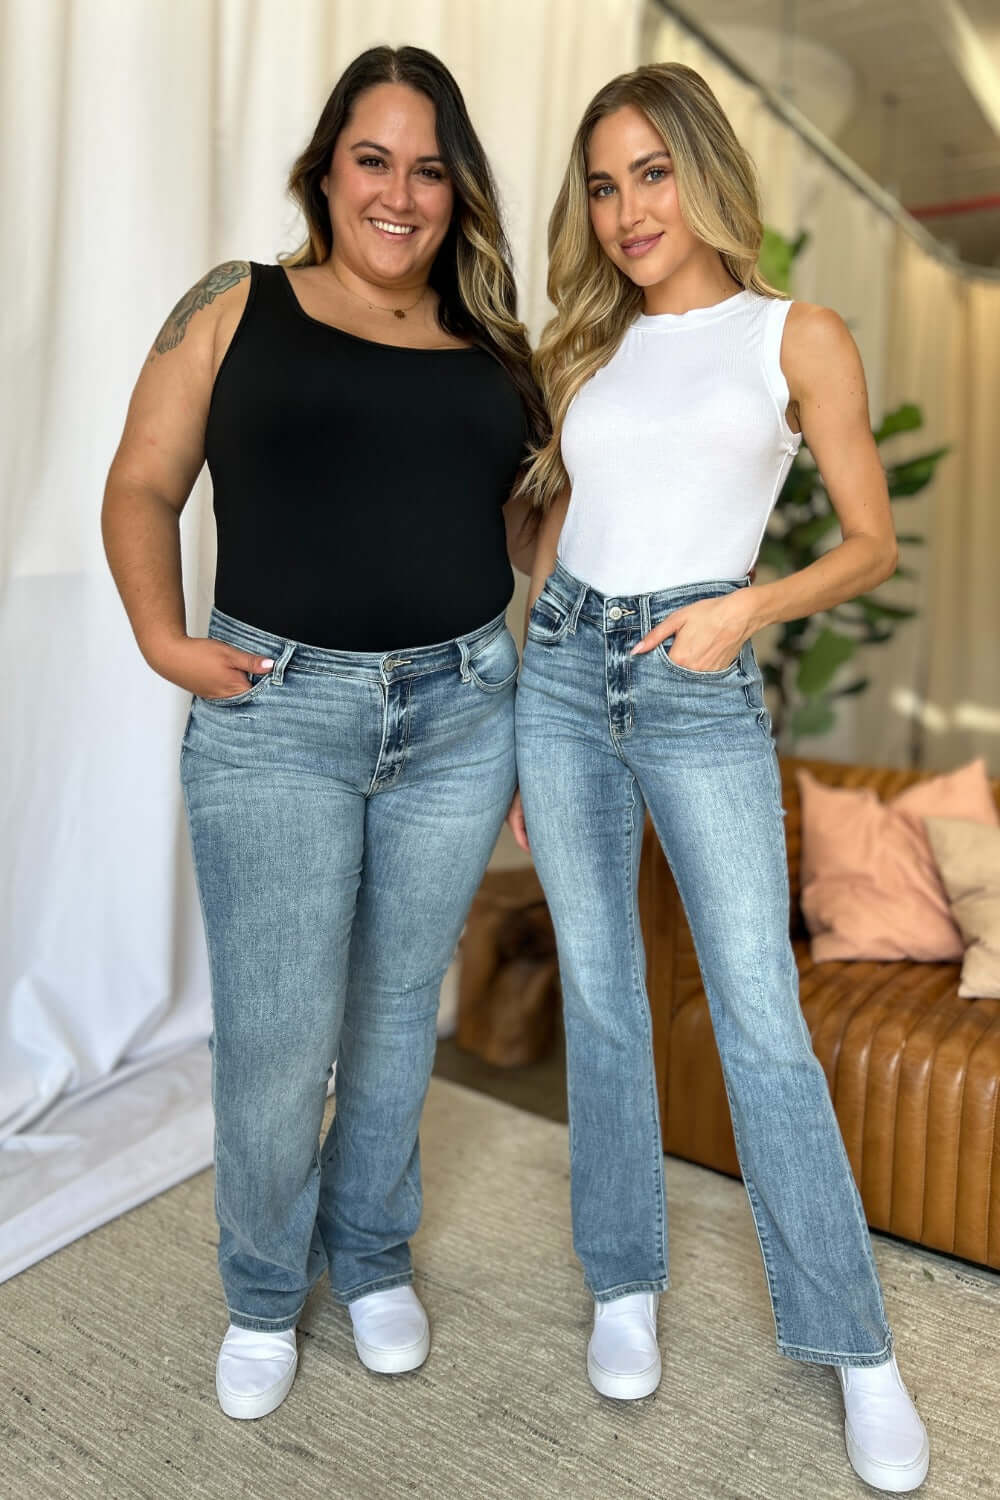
(141, 144)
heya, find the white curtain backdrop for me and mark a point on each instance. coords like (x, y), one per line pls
(139, 145)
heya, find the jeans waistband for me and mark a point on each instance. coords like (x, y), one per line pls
(620, 611)
(407, 662)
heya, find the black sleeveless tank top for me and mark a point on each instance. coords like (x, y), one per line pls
(358, 486)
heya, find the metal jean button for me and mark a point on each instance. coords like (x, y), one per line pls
(615, 612)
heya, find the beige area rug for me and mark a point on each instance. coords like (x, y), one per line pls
(107, 1352)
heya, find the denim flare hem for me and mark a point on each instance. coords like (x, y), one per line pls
(383, 1284)
(661, 1284)
(829, 1357)
(264, 1325)
(603, 737)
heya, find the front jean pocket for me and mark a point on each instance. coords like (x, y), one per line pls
(548, 620)
(257, 684)
(733, 670)
(493, 667)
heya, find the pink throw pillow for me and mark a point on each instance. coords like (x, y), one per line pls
(870, 886)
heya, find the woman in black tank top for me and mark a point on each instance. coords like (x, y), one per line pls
(365, 410)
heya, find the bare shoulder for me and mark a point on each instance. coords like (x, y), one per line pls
(173, 393)
(814, 332)
(817, 346)
(224, 288)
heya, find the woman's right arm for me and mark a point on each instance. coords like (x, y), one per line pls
(546, 547)
(158, 460)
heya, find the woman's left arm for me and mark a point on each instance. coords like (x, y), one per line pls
(826, 384)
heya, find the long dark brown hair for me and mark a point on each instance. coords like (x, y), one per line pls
(471, 274)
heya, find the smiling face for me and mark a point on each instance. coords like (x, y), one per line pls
(389, 192)
(634, 210)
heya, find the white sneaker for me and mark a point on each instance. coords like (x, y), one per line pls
(623, 1360)
(886, 1440)
(255, 1370)
(391, 1332)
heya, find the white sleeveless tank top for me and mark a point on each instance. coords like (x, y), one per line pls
(677, 449)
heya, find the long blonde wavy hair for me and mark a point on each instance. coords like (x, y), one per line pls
(594, 301)
(472, 275)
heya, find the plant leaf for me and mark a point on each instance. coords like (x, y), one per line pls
(911, 477)
(792, 629)
(912, 539)
(774, 554)
(843, 616)
(815, 716)
(906, 418)
(775, 259)
(807, 533)
(851, 688)
(875, 611)
(800, 483)
(819, 664)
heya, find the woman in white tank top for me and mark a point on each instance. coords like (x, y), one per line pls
(679, 386)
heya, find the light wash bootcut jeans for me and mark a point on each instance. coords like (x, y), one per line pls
(601, 737)
(342, 812)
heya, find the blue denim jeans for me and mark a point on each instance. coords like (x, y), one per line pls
(342, 812)
(601, 737)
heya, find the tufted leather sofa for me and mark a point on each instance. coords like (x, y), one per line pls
(913, 1069)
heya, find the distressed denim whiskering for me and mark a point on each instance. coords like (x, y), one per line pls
(601, 737)
(342, 812)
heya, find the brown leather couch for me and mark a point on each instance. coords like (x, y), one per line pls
(913, 1069)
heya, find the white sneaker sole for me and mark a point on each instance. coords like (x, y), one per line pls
(394, 1361)
(897, 1479)
(245, 1408)
(624, 1387)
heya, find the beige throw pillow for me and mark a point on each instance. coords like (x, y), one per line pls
(968, 858)
(870, 886)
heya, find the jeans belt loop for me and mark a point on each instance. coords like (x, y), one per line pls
(574, 613)
(645, 619)
(278, 670)
(463, 665)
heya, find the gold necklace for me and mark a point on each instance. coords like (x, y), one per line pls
(397, 312)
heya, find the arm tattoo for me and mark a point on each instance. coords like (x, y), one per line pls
(218, 280)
